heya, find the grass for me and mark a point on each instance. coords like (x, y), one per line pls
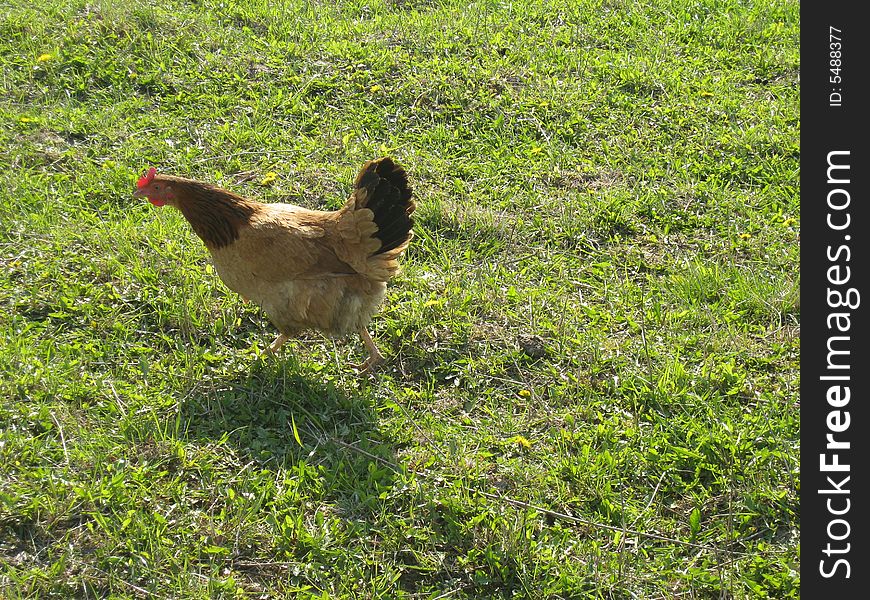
(593, 346)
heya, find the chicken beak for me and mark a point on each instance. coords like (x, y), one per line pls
(138, 193)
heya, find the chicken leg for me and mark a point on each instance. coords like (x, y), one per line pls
(375, 357)
(370, 364)
(279, 341)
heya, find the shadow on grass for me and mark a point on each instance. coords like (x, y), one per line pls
(425, 532)
(284, 417)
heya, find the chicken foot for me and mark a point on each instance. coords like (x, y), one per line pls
(279, 341)
(375, 357)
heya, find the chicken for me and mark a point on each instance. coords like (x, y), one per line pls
(306, 269)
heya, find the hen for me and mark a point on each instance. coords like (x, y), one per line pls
(307, 269)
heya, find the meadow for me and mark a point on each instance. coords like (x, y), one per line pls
(591, 386)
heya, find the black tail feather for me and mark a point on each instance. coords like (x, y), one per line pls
(388, 196)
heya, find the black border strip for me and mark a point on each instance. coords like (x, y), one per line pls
(835, 300)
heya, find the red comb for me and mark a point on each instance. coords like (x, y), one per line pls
(147, 178)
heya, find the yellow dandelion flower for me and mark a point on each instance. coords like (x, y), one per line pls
(525, 394)
(745, 236)
(44, 57)
(269, 178)
(521, 441)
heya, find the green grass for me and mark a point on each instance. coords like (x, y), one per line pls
(619, 179)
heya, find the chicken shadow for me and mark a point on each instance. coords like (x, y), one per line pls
(276, 417)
